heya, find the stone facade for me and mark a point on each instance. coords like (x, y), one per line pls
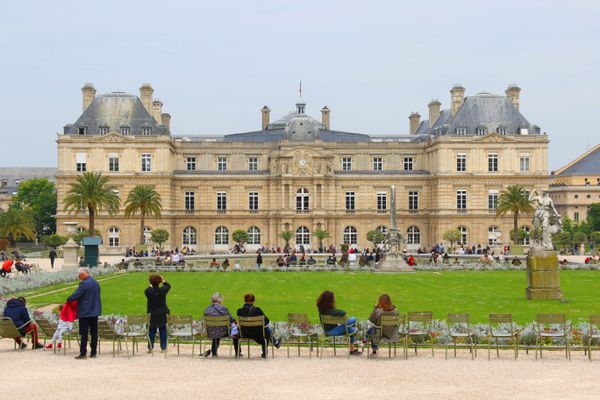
(296, 174)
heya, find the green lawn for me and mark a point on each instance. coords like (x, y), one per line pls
(279, 293)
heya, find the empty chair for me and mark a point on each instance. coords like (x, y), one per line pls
(460, 328)
(419, 326)
(136, 329)
(107, 332)
(299, 329)
(594, 332)
(181, 327)
(501, 327)
(551, 326)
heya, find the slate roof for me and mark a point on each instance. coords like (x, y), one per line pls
(275, 135)
(114, 110)
(10, 177)
(483, 110)
(589, 164)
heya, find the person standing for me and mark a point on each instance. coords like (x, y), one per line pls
(158, 310)
(89, 309)
(259, 260)
(52, 256)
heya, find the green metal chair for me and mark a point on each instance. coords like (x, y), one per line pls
(137, 328)
(460, 328)
(107, 332)
(419, 325)
(217, 322)
(337, 320)
(501, 327)
(181, 327)
(594, 332)
(551, 326)
(253, 322)
(9, 330)
(398, 322)
(299, 328)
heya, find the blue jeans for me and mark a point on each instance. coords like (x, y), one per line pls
(340, 330)
(371, 335)
(162, 332)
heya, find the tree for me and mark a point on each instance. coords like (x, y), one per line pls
(91, 192)
(54, 240)
(593, 217)
(321, 235)
(376, 237)
(579, 238)
(38, 197)
(15, 224)
(78, 237)
(515, 200)
(146, 201)
(286, 236)
(240, 236)
(522, 234)
(595, 238)
(562, 240)
(159, 236)
(452, 236)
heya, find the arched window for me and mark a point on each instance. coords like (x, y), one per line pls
(526, 239)
(302, 199)
(494, 234)
(383, 229)
(302, 236)
(350, 236)
(190, 237)
(147, 235)
(113, 236)
(253, 235)
(413, 235)
(221, 235)
(464, 234)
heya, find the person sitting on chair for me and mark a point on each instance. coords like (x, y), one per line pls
(326, 306)
(17, 312)
(384, 306)
(256, 333)
(215, 333)
(6, 268)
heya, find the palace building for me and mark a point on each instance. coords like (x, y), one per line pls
(297, 173)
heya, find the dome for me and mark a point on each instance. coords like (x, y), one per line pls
(301, 127)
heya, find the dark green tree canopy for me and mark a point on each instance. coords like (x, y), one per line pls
(38, 197)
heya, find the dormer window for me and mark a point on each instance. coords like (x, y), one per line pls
(125, 130)
(103, 130)
(461, 131)
(146, 130)
(481, 131)
(81, 130)
(501, 130)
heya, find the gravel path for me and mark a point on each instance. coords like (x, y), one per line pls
(41, 374)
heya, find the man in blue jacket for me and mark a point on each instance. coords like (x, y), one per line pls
(89, 308)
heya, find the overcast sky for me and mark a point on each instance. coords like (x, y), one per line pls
(215, 64)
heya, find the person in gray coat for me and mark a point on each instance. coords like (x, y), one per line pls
(383, 307)
(89, 309)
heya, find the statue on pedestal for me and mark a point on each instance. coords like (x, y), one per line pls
(546, 219)
(393, 239)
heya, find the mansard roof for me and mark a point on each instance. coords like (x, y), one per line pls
(587, 164)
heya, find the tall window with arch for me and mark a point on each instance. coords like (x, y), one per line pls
(190, 236)
(302, 236)
(302, 199)
(253, 235)
(350, 235)
(222, 235)
(413, 235)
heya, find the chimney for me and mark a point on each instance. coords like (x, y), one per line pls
(512, 92)
(434, 111)
(458, 97)
(165, 119)
(325, 117)
(89, 93)
(415, 120)
(265, 111)
(157, 110)
(146, 92)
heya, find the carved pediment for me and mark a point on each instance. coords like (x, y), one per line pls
(113, 137)
(494, 138)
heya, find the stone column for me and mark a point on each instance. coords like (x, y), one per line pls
(543, 280)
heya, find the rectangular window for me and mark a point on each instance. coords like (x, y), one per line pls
(481, 131)
(461, 131)
(113, 162)
(221, 201)
(346, 164)
(413, 200)
(461, 200)
(189, 201)
(576, 216)
(524, 163)
(377, 164)
(124, 130)
(222, 164)
(103, 130)
(461, 163)
(146, 162)
(252, 163)
(146, 130)
(492, 200)
(382, 201)
(492, 162)
(350, 200)
(408, 163)
(253, 201)
(190, 163)
(81, 161)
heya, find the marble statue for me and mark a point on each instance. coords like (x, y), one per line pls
(393, 239)
(546, 219)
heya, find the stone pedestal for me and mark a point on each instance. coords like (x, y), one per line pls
(394, 263)
(71, 257)
(543, 281)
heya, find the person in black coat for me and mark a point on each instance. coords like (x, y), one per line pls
(52, 255)
(158, 310)
(256, 333)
